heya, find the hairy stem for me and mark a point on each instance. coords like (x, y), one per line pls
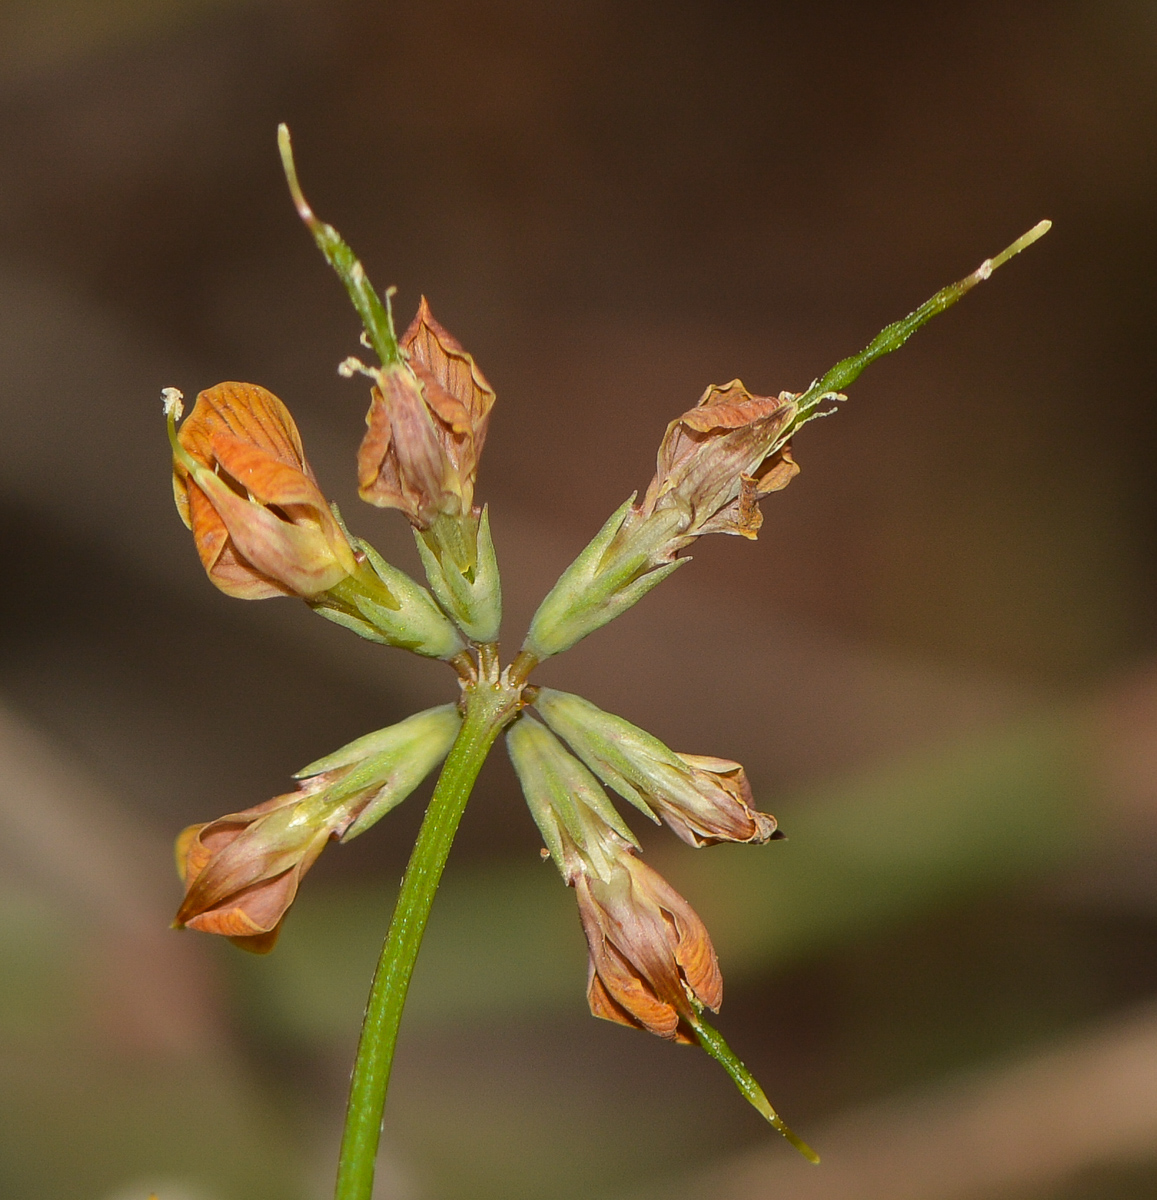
(490, 704)
(712, 1041)
(376, 316)
(896, 334)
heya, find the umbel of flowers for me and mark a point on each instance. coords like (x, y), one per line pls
(263, 528)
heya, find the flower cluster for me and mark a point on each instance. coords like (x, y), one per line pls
(263, 528)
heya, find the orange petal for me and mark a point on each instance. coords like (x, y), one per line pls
(250, 413)
(455, 371)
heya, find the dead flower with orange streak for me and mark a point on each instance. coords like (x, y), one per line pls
(648, 948)
(426, 427)
(720, 458)
(241, 872)
(652, 963)
(715, 463)
(242, 484)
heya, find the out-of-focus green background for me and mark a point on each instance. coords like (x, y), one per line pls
(937, 663)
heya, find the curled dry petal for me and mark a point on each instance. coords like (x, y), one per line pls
(649, 951)
(241, 483)
(426, 427)
(721, 457)
(241, 872)
(725, 810)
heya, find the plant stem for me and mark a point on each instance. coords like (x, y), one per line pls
(712, 1041)
(490, 704)
(376, 316)
(896, 334)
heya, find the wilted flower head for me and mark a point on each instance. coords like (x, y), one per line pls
(648, 948)
(426, 427)
(242, 485)
(715, 463)
(241, 872)
(726, 810)
(721, 457)
(651, 958)
(704, 800)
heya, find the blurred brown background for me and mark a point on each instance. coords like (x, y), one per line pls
(936, 662)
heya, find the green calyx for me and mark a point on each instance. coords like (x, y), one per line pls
(626, 758)
(458, 556)
(383, 604)
(565, 800)
(619, 566)
(390, 762)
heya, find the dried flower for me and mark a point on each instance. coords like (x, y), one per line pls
(651, 959)
(715, 463)
(726, 812)
(242, 871)
(242, 485)
(720, 458)
(426, 427)
(649, 951)
(704, 800)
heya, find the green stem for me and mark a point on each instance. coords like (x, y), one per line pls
(490, 704)
(712, 1041)
(376, 316)
(896, 334)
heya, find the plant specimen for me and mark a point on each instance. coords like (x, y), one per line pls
(263, 528)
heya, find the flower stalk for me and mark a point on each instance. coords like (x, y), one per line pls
(490, 704)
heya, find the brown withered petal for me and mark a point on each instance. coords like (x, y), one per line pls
(401, 461)
(444, 359)
(426, 427)
(648, 947)
(728, 813)
(261, 525)
(722, 456)
(240, 882)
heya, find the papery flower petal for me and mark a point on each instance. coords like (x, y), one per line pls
(648, 948)
(425, 427)
(261, 525)
(720, 807)
(441, 358)
(721, 456)
(252, 415)
(242, 871)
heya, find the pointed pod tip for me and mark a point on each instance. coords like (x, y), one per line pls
(797, 1142)
(1022, 243)
(712, 1041)
(285, 148)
